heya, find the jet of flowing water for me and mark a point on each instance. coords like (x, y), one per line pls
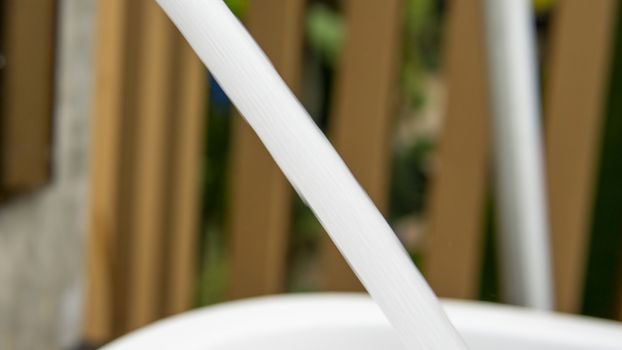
(315, 169)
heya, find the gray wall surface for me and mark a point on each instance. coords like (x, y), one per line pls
(42, 234)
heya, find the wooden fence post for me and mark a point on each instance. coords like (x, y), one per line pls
(26, 109)
(154, 106)
(105, 217)
(150, 90)
(260, 196)
(188, 129)
(576, 91)
(364, 110)
(454, 244)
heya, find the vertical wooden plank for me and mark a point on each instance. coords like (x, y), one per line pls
(149, 222)
(150, 90)
(363, 114)
(106, 161)
(454, 244)
(575, 95)
(188, 129)
(27, 93)
(261, 197)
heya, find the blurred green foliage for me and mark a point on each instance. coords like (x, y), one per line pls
(604, 270)
(541, 6)
(238, 7)
(421, 52)
(212, 271)
(325, 31)
(409, 182)
(421, 48)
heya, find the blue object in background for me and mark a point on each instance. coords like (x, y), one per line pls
(218, 98)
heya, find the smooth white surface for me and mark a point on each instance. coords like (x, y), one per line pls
(521, 199)
(315, 169)
(353, 321)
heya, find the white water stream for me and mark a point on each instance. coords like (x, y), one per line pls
(317, 172)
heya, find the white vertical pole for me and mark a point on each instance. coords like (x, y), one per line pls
(519, 165)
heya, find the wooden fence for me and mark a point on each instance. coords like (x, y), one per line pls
(149, 107)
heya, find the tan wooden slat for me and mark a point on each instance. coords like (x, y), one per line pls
(105, 218)
(261, 197)
(453, 245)
(575, 95)
(149, 191)
(150, 93)
(188, 128)
(363, 114)
(28, 49)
